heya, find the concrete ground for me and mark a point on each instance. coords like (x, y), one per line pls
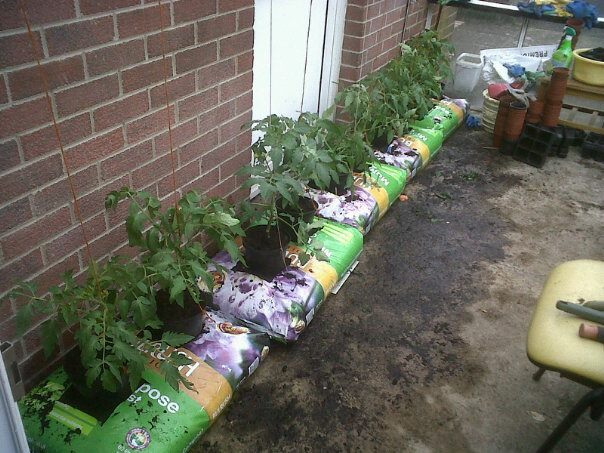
(423, 349)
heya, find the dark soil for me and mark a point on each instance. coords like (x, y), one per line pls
(388, 363)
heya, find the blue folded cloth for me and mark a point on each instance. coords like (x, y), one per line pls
(583, 10)
(515, 70)
(472, 121)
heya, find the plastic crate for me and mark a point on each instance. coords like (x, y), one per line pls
(593, 147)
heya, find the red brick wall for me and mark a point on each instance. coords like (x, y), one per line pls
(373, 31)
(105, 71)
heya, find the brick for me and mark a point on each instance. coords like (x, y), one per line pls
(79, 35)
(183, 175)
(197, 148)
(236, 44)
(244, 103)
(196, 104)
(174, 39)
(31, 236)
(8, 329)
(20, 269)
(108, 242)
(89, 152)
(146, 74)
(195, 58)
(14, 214)
(110, 58)
(353, 43)
(87, 95)
(224, 188)
(126, 160)
(236, 87)
(142, 21)
(23, 180)
(216, 27)
(44, 141)
(235, 126)
(245, 62)
(356, 13)
(73, 239)
(94, 202)
(9, 155)
(181, 134)
(351, 58)
(216, 73)
(149, 125)
(118, 215)
(28, 82)
(205, 182)
(235, 163)
(188, 10)
(38, 12)
(231, 5)
(177, 88)
(3, 91)
(355, 28)
(215, 157)
(152, 171)
(95, 6)
(23, 116)
(59, 193)
(16, 49)
(245, 19)
(53, 275)
(120, 111)
(215, 117)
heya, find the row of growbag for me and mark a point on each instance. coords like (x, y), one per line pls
(285, 305)
(378, 188)
(155, 417)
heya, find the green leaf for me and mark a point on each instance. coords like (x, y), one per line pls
(50, 335)
(110, 383)
(175, 339)
(177, 288)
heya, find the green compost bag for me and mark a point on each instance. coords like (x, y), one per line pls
(433, 139)
(155, 417)
(440, 118)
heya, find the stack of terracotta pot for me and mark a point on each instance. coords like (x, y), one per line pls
(509, 122)
(554, 97)
(535, 111)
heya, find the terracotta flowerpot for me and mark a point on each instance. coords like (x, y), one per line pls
(551, 114)
(514, 122)
(535, 111)
(502, 113)
(557, 85)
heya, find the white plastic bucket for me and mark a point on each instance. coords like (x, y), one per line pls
(468, 67)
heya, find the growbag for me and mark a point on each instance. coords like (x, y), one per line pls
(155, 417)
(375, 191)
(284, 306)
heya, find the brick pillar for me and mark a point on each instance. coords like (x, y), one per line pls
(373, 31)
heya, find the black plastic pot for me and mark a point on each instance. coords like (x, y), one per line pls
(187, 319)
(292, 215)
(265, 251)
(77, 376)
(305, 210)
(381, 142)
